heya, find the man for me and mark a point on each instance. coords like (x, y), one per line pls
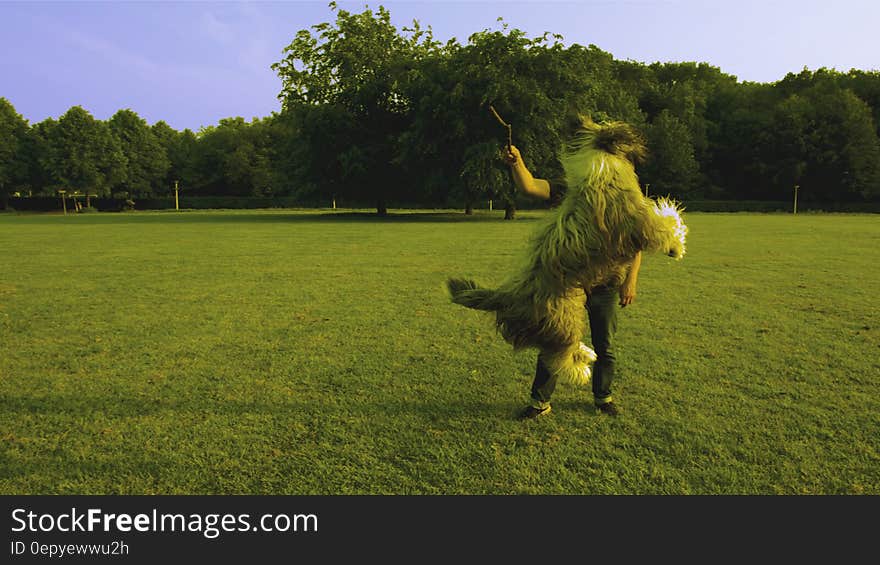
(600, 306)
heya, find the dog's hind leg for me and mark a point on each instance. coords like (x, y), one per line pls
(565, 355)
(583, 359)
(571, 364)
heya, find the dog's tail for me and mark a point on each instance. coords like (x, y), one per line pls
(467, 293)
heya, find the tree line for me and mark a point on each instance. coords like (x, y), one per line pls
(376, 115)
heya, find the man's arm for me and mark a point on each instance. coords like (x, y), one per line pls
(522, 177)
(628, 288)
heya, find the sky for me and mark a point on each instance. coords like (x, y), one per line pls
(191, 63)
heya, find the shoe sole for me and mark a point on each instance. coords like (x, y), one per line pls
(535, 416)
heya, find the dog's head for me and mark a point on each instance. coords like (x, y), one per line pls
(599, 158)
(616, 138)
(673, 232)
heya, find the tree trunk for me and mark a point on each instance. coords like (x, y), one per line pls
(469, 209)
(509, 211)
(381, 207)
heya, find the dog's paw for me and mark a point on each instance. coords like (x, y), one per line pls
(585, 354)
(586, 376)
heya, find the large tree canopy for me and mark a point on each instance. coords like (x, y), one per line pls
(350, 74)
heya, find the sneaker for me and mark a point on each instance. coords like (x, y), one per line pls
(608, 408)
(530, 412)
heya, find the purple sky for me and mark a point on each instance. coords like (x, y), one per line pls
(191, 63)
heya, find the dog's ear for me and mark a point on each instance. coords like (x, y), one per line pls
(586, 121)
(619, 138)
(573, 123)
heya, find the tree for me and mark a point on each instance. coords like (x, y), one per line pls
(741, 123)
(317, 137)
(235, 158)
(276, 135)
(82, 154)
(786, 148)
(671, 167)
(13, 139)
(866, 85)
(41, 175)
(535, 84)
(841, 149)
(180, 149)
(215, 143)
(146, 161)
(434, 142)
(354, 67)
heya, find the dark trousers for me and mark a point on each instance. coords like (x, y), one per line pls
(602, 312)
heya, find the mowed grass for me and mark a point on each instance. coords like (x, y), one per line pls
(309, 352)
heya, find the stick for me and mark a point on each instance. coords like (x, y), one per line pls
(505, 124)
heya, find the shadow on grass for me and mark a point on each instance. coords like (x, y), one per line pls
(298, 216)
(121, 406)
(306, 427)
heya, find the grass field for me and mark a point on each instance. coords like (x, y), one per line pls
(295, 352)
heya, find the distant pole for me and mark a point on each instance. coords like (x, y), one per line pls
(490, 204)
(334, 201)
(795, 197)
(646, 189)
(63, 200)
(176, 201)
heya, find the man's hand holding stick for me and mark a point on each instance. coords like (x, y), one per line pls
(505, 124)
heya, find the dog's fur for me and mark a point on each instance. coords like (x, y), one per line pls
(591, 238)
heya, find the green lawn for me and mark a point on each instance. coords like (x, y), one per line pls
(294, 352)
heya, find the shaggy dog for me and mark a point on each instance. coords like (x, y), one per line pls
(591, 237)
